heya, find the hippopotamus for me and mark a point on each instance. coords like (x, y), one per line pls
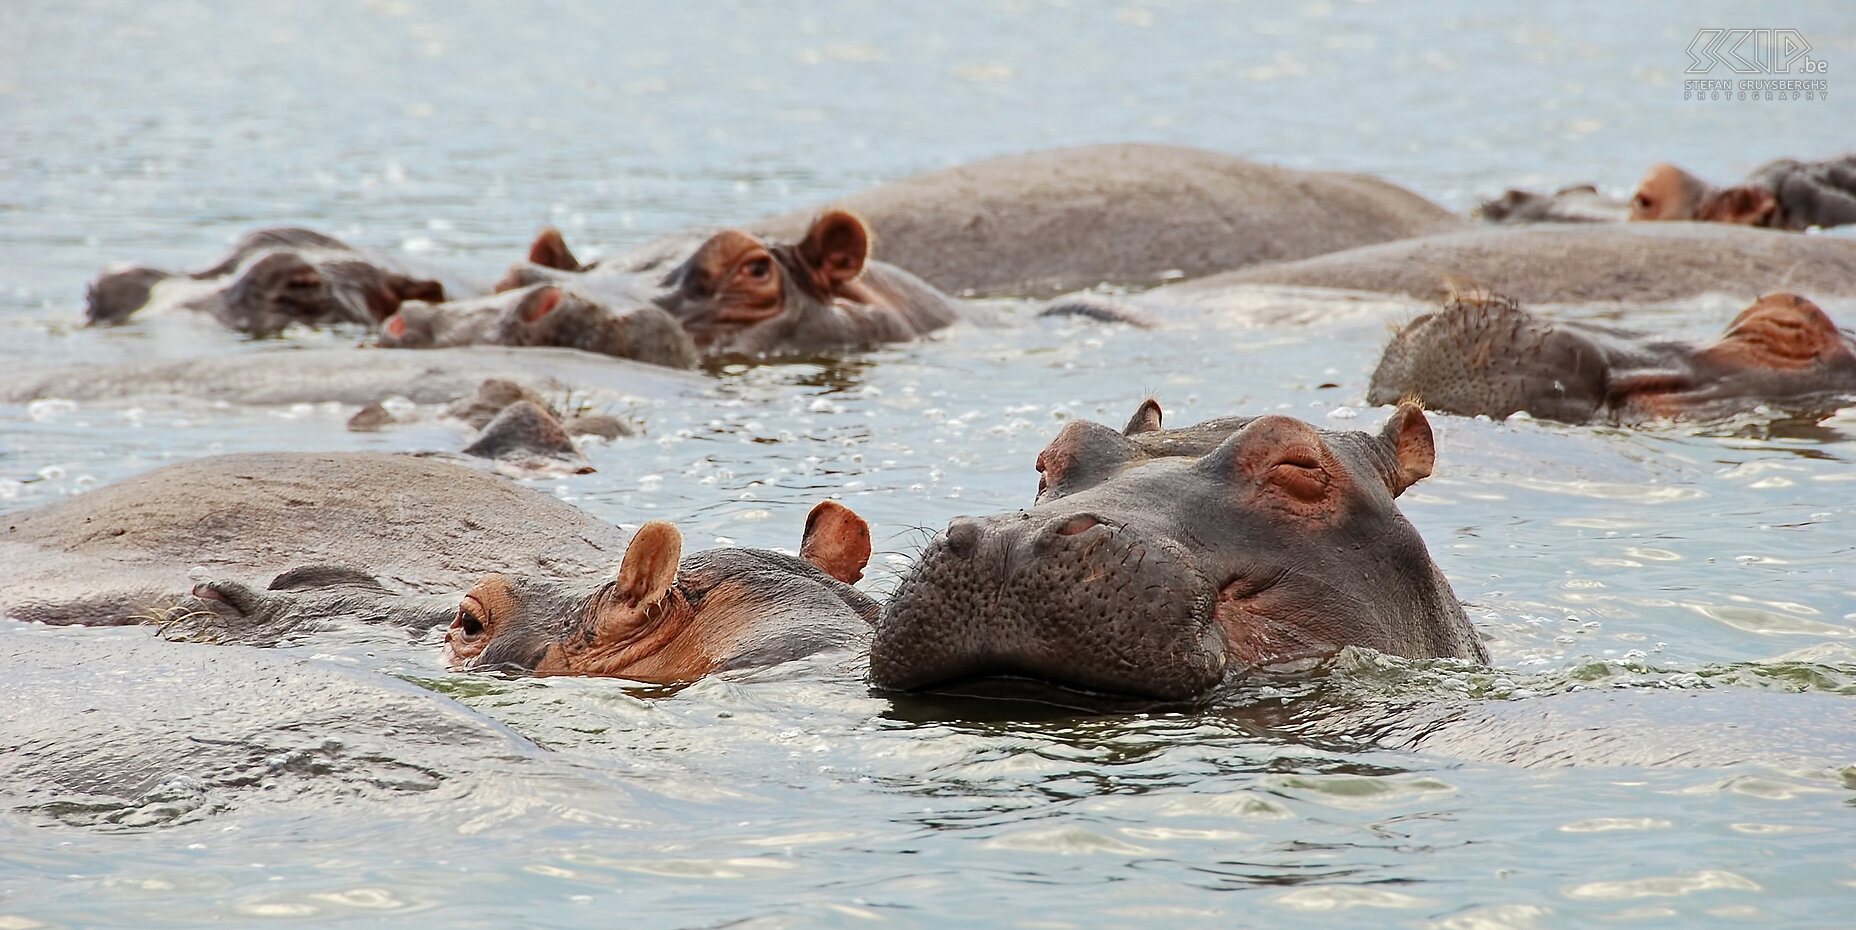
(348, 376)
(1138, 214)
(1785, 194)
(541, 315)
(738, 293)
(274, 278)
(1580, 203)
(665, 617)
(127, 552)
(1486, 355)
(1563, 263)
(1166, 570)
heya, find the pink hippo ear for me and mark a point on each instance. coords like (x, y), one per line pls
(549, 250)
(1414, 448)
(1082, 455)
(837, 540)
(650, 564)
(395, 326)
(1780, 332)
(1145, 420)
(835, 249)
(539, 303)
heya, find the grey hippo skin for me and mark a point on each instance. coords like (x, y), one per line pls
(355, 526)
(120, 730)
(351, 376)
(1785, 194)
(1488, 356)
(1569, 263)
(1581, 203)
(542, 315)
(666, 617)
(1046, 222)
(274, 278)
(1167, 572)
(736, 293)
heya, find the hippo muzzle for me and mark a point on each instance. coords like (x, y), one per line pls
(1070, 597)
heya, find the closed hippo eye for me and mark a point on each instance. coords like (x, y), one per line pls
(1302, 476)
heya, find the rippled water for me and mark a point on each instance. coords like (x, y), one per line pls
(1715, 559)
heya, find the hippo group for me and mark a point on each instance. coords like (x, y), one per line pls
(1170, 564)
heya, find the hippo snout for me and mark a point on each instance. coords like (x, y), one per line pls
(1064, 597)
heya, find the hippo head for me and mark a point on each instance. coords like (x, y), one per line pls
(1161, 575)
(670, 618)
(1669, 193)
(119, 292)
(736, 283)
(542, 315)
(1781, 350)
(277, 289)
(1487, 355)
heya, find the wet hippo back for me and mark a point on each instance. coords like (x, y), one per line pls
(118, 553)
(1573, 263)
(1046, 222)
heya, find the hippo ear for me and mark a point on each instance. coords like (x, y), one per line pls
(395, 325)
(1145, 420)
(1780, 332)
(836, 248)
(837, 541)
(1414, 450)
(1745, 205)
(538, 303)
(650, 564)
(549, 250)
(1082, 455)
(432, 292)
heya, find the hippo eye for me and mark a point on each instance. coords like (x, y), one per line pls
(759, 269)
(1641, 202)
(1302, 476)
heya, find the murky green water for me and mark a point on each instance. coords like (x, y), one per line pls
(1680, 560)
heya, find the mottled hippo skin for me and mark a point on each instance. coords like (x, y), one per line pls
(275, 278)
(542, 315)
(1786, 194)
(1488, 356)
(666, 617)
(1570, 263)
(1042, 223)
(363, 522)
(737, 293)
(1155, 571)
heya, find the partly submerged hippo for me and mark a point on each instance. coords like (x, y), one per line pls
(1486, 355)
(127, 552)
(274, 278)
(1042, 223)
(1579, 203)
(1566, 263)
(666, 617)
(1785, 194)
(1163, 573)
(738, 293)
(542, 315)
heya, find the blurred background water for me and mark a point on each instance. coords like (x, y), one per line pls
(1714, 558)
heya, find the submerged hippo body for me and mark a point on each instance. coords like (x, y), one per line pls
(1581, 203)
(667, 617)
(737, 293)
(542, 315)
(275, 278)
(1569, 263)
(1785, 194)
(1042, 223)
(1488, 356)
(1146, 572)
(125, 553)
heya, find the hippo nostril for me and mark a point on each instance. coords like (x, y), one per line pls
(963, 536)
